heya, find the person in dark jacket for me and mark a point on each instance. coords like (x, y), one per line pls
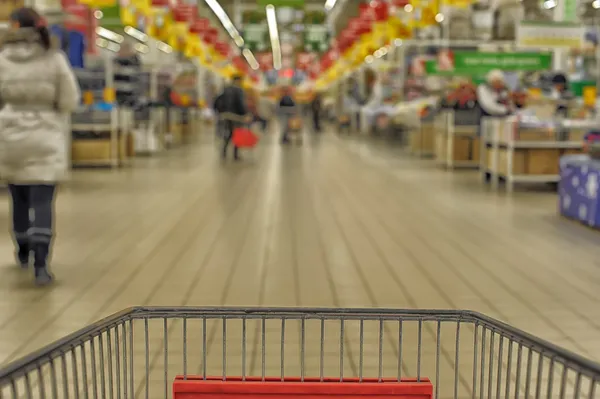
(286, 108)
(316, 112)
(233, 102)
(561, 94)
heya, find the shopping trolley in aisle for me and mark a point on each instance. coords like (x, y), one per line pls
(292, 124)
(308, 353)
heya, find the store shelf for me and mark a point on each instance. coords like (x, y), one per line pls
(533, 160)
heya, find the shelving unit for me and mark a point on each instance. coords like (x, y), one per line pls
(456, 140)
(517, 153)
(96, 139)
(422, 139)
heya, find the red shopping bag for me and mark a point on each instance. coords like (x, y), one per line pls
(244, 138)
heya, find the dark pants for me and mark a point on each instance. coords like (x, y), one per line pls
(33, 213)
(316, 121)
(228, 135)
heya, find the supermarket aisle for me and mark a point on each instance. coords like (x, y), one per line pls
(334, 223)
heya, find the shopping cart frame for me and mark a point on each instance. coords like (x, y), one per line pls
(26, 367)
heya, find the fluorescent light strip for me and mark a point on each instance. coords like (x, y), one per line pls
(109, 34)
(136, 34)
(225, 21)
(329, 4)
(250, 58)
(274, 35)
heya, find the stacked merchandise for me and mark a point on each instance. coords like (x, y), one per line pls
(93, 126)
(147, 115)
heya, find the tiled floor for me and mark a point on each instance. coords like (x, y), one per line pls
(334, 223)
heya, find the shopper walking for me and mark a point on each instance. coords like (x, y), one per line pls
(316, 112)
(37, 89)
(234, 102)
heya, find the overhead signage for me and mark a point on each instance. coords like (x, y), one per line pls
(541, 35)
(471, 63)
(316, 38)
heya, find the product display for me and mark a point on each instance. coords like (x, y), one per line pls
(578, 189)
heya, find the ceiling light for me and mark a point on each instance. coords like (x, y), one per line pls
(225, 21)
(98, 14)
(439, 18)
(164, 47)
(109, 34)
(250, 59)
(274, 36)
(113, 46)
(329, 4)
(131, 31)
(596, 4)
(369, 59)
(549, 4)
(141, 48)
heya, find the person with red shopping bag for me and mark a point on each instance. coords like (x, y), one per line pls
(235, 112)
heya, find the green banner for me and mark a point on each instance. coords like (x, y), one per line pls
(469, 63)
(281, 3)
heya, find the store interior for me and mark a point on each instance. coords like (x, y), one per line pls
(398, 70)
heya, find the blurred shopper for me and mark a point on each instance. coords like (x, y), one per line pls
(561, 94)
(234, 102)
(286, 106)
(492, 95)
(38, 90)
(316, 106)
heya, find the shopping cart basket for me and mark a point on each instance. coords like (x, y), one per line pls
(311, 353)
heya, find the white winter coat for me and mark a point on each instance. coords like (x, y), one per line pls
(38, 90)
(489, 100)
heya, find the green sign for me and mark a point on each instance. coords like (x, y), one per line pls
(281, 3)
(255, 30)
(256, 37)
(111, 17)
(469, 63)
(316, 38)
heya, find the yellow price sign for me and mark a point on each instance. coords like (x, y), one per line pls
(88, 98)
(109, 95)
(589, 96)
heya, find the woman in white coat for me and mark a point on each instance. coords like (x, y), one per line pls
(37, 92)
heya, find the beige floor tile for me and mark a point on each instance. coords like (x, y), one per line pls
(336, 223)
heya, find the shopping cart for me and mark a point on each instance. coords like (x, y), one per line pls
(308, 353)
(292, 124)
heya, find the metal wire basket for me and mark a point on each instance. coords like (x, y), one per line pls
(164, 352)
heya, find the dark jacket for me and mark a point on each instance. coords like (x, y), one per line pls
(233, 101)
(287, 101)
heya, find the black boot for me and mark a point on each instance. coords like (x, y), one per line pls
(22, 254)
(42, 273)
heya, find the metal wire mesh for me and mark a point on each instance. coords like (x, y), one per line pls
(138, 353)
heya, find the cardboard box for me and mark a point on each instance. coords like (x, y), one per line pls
(90, 150)
(543, 161)
(462, 148)
(576, 134)
(428, 133)
(545, 134)
(519, 162)
(475, 149)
